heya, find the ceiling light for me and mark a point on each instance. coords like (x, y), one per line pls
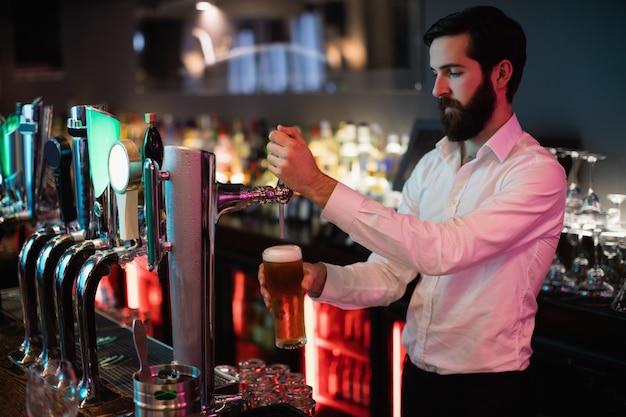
(203, 5)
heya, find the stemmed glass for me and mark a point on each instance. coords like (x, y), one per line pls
(611, 242)
(557, 280)
(615, 214)
(51, 391)
(619, 302)
(595, 285)
(616, 199)
(591, 202)
(580, 263)
(574, 200)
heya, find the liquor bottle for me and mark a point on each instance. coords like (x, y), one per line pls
(393, 154)
(152, 142)
(349, 153)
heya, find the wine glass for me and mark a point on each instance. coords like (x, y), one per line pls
(615, 214)
(595, 286)
(51, 391)
(616, 199)
(591, 202)
(580, 263)
(612, 242)
(557, 280)
(574, 200)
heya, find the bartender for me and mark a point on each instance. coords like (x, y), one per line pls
(480, 219)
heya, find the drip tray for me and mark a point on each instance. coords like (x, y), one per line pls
(116, 350)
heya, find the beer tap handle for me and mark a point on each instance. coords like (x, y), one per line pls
(125, 171)
(153, 199)
(58, 153)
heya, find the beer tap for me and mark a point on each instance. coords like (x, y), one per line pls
(58, 154)
(83, 187)
(82, 239)
(12, 161)
(124, 172)
(65, 274)
(93, 130)
(31, 346)
(30, 151)
(86, 243)
(35, 128)
(194, 201)
(21, 135)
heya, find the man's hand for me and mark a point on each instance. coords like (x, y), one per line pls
(313, 281)
(291, 160)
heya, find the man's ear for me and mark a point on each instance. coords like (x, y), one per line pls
(502, 73)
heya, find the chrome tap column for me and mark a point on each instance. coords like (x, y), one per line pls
(194, 202)
(83, 188)
(31, 149)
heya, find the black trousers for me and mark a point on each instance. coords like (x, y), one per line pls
(426, 394)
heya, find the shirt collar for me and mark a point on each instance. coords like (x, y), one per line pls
(501, 143)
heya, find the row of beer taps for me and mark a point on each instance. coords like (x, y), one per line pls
(91, 222)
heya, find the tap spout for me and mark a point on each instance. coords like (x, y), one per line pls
(234, 197)
(46, 265)
(10, 221)
(30, 348)
(65, 274)
(92, 390)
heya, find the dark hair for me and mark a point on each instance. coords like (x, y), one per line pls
(493, 37)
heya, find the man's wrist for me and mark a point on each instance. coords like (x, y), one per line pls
(322, 190)
(320, 282)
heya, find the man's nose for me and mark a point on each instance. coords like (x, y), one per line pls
(441, 87)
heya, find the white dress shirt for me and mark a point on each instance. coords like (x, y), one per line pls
(482, 235)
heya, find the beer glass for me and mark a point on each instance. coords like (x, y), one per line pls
(51, 391)
(283, 277)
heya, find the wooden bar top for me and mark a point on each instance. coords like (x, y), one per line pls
(12, 377)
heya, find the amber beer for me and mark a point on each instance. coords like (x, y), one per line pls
(283, 277)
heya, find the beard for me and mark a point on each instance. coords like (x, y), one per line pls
(465, 122)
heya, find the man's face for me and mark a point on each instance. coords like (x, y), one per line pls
(466, 98)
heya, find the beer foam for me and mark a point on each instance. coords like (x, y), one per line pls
(282, 253)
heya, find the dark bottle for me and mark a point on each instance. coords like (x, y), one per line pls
(152, 142)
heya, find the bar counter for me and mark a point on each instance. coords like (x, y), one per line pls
(580, 348)
(12, 377)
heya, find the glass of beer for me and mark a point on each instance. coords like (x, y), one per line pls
(283, 277)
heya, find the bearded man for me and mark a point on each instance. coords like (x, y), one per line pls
(480, 219)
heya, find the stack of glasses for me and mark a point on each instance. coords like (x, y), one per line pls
(263, 385)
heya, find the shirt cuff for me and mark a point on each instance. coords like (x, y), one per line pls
(331, 290)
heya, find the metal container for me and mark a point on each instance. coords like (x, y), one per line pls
(175, 391)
